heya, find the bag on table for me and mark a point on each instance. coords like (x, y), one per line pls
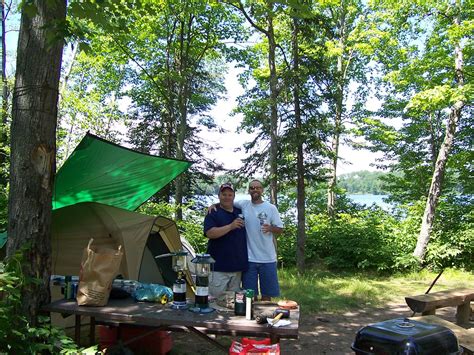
(99, 266)
(254, 347)
(152, 293)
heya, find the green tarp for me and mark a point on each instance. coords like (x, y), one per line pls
(100, 171)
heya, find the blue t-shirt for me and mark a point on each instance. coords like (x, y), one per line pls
(230, 250)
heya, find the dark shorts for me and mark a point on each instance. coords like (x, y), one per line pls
(266, 275)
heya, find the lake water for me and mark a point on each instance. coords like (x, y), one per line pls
(370, 199)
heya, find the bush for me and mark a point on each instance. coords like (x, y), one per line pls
(374, 239)
(452, 239)
(17, 336)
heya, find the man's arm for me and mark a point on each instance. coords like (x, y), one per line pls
(217, 232)
(276, 230)
(276, 225)
(268, 228)
(213, 207)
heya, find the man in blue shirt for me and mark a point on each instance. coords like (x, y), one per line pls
(225, 229)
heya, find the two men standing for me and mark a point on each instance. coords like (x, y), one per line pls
(262, 222)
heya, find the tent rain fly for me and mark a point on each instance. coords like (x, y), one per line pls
(100, 171)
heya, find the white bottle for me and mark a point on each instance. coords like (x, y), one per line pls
(248, 304)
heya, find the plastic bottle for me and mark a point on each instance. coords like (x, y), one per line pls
(249, 304)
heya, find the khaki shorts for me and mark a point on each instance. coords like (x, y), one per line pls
(224, 281)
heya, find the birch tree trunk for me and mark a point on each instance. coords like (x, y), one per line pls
(440, 165)
(338, 125)
(33, 147)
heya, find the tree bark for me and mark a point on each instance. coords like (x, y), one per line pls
(300, 168)
(340, 78)
(33, 146)
(5, 94)
(4, 68)
(440, 166)
(273, 108)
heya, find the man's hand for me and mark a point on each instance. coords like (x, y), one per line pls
(212, 208)
(237, 223)
(266, 228)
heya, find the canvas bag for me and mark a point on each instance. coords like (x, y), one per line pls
(99, 267)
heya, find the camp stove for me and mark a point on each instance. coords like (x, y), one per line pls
(179, 285)
(203, 270)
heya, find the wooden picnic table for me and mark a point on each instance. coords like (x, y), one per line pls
(220, 322)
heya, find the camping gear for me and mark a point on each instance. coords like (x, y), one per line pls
(104, 172)
(203, 270)
(239, 303)
(404, 336)
(253, 346)
(141, 237)
(99, 267)
(179, 285)
(261, 318)
(153, 293)
(178, 262)
(285, 312)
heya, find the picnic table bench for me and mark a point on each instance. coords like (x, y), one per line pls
(427, 304)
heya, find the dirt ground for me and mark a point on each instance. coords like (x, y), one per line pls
(321, 333)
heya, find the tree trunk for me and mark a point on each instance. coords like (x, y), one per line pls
(4, 120)
(182, 118)
(440, 166)
(4, 68)
(33, 146)
(273, 109)
(181, 135)
(300, 169)
(340, 78)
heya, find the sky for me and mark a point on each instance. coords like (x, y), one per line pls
(351, 161)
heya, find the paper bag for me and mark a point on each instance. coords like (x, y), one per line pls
(99, 267)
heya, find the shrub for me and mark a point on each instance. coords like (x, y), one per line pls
(17, 336)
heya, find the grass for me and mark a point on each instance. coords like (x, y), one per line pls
(319, 290)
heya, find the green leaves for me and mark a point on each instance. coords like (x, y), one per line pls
(16, 334)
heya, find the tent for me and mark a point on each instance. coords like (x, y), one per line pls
(142, 237)
(101, 171)
(95, 192)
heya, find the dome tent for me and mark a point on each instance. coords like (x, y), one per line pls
(142, 238)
